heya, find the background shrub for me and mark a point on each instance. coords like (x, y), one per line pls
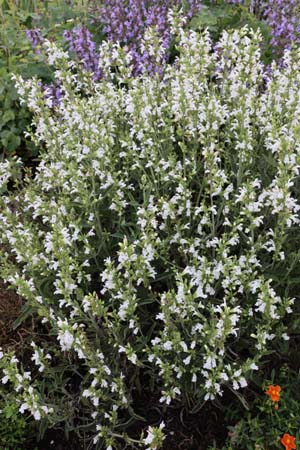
(13, 426)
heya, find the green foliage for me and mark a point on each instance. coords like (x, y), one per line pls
(218, 16)
(263, 427)
(17, 57)
(13, 425)
(13, 48)
(13, 122)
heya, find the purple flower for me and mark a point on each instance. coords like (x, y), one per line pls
(35, 37)
(52, 93)
(126, 22)
(283, 16)
(81, 43)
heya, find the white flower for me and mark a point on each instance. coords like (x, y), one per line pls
(86, 393)
(210, 363)
(149, 438)
(132, 358)
(167, 345)
(187, 360)
(235, 385)
(5, 379)
(66, 340)
(23, 408)
(37, 415)
(243, 382)
(45, 409)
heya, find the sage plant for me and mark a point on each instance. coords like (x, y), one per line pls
(126, 22)
(81, 43)
(148, 240)
(283, 16)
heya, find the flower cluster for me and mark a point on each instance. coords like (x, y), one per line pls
(52, 93)
(264, 427)
(81, 43)
(274, 393)
(9, 170)
(287, 440)
(28, 396)
(154, 438)
(127, 22)
(35, 37)
(283, 16)
(147, 237)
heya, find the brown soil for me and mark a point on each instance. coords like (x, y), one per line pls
(10, 308)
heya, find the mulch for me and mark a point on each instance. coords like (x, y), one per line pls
(10, 309)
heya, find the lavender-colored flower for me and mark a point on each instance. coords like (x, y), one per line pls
(283, 16)
(126, 22)
(81, 43)
(52, 93)
(35, 37)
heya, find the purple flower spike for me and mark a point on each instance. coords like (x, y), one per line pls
(35, 37)
(81, 43)
(283, 16)
(235, 2)
(126, 22)
(52, 93)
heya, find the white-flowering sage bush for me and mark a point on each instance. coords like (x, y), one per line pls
(147, 238)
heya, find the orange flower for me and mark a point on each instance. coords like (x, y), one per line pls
(274, 393)
(288, 441)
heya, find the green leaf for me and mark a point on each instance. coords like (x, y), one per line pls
(10, 140)
(199, 405)
(204, 19)
(26, 311)
(7, 116)
(239, 396)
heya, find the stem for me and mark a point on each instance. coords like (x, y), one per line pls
(7, 55)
